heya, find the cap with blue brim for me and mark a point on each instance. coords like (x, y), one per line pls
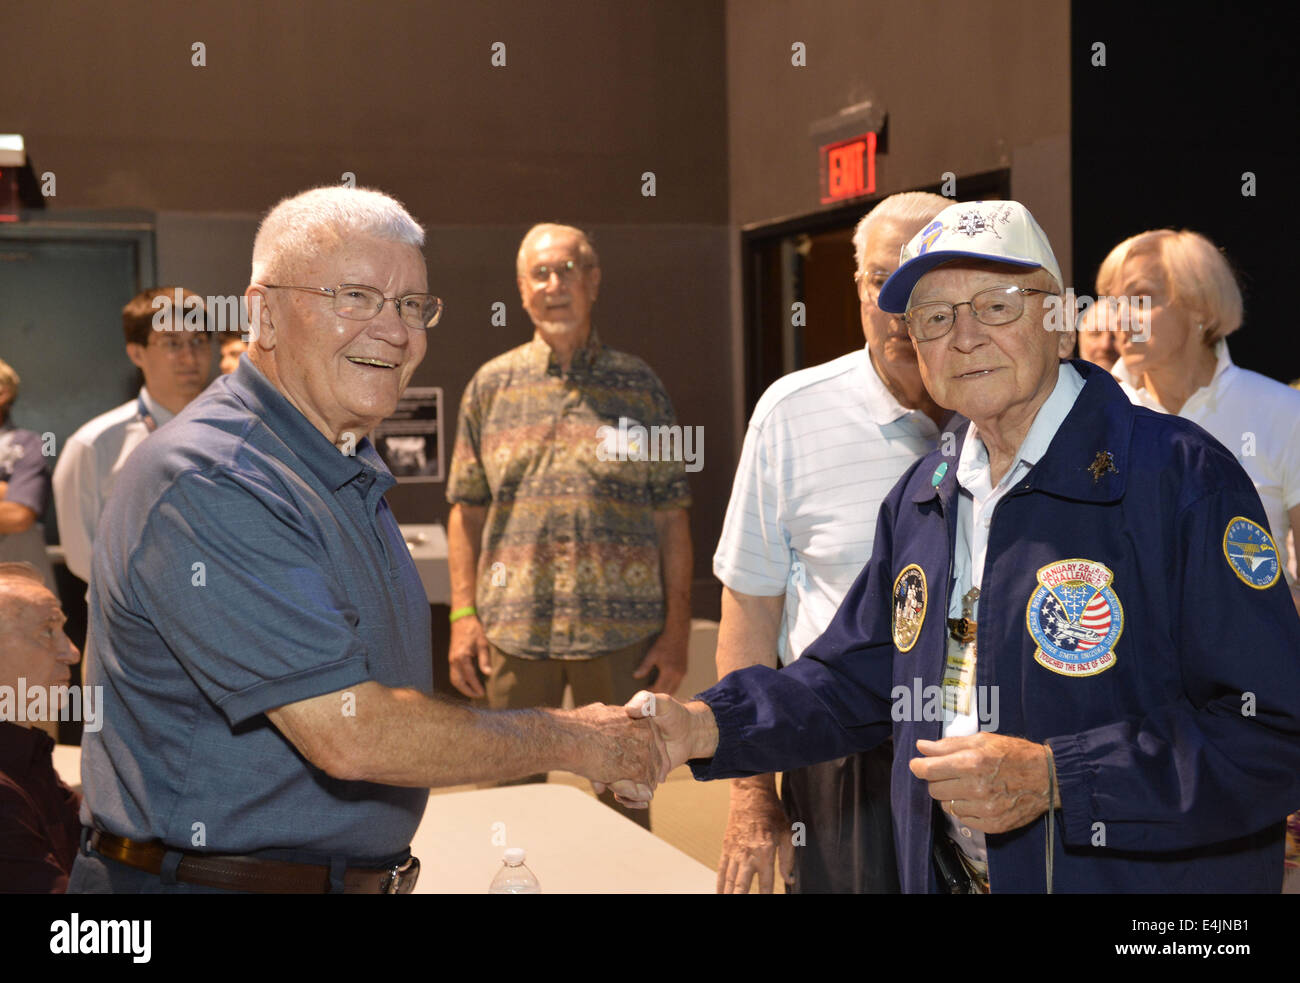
(995, 231)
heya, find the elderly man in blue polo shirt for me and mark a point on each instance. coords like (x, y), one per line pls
(257, 622)
(1073, 622)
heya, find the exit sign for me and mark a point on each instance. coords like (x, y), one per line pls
(848, 168)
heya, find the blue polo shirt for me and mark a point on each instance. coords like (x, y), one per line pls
(1132, 615)
(244, 563)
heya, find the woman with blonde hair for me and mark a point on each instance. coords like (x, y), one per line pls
(1174, 358)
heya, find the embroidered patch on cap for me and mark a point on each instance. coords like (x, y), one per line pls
(1251, 553)
(1075, 618)
(909, 606)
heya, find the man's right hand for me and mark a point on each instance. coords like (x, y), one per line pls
(757, 838)
(469, 646)
(683, 730)
(624, 754)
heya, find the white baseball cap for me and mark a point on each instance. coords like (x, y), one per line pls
(998, 231)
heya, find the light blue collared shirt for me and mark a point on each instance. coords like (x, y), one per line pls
(977, 501)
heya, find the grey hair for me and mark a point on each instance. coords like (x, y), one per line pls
(586, 251)
(316, 222)
(907, 209)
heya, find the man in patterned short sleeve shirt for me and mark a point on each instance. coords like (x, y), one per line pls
(568, 538)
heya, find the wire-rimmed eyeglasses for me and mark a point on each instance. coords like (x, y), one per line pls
(994, 306)
(357, 302)
(566, 271)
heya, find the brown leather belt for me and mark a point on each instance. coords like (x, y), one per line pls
(241, 873)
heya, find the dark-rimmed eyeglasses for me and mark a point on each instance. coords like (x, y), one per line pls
(357, 302)
(994, 306)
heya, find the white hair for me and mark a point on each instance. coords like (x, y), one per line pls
(316, 222)
(907, 209)
(586, 251)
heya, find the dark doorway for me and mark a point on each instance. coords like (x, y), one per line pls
(808, 261)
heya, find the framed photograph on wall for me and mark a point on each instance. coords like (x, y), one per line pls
(410, 441)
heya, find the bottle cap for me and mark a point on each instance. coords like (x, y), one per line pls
(514, 855)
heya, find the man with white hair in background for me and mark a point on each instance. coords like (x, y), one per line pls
(257, 622)
(824, 446)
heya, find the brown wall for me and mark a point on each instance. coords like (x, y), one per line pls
(968, 87)
(400, 93)
(404, 95)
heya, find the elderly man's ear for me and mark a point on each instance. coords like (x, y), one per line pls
(261, 328)
(1065, 343)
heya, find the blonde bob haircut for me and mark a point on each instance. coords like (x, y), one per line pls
(1197, 277)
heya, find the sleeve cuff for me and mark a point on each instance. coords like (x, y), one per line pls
(466, 500)
(748, 582)
(1074, 783)
(722, 764)
(271, 693)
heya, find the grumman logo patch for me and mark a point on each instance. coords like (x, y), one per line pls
(1251, 553)
(909, 606)
(1075, 618)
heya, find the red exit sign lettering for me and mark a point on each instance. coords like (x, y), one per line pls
(848, 168)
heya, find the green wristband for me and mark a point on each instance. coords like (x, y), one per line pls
(461, 613)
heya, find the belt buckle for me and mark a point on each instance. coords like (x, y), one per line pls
(400, 878)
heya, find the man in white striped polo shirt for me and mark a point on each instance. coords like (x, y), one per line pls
(824, 447)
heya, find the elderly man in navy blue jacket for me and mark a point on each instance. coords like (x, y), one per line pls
(1073, 622)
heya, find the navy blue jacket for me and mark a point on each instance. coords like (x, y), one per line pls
(1175, 723)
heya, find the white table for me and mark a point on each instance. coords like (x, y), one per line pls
(67, 764)
(428, 546)
(575, 845)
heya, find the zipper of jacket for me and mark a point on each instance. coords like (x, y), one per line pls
(949, 536)
(1022, 488)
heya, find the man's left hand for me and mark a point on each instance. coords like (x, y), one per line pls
(669, 654)
(989, 782)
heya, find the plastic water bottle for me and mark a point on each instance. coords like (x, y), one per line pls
(514, 877)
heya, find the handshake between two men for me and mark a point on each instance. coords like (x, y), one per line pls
(992, 782)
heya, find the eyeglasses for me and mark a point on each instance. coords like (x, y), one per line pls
(997, 305)
(566, 271)
(358, 302)
(172, 345)
(870, 284)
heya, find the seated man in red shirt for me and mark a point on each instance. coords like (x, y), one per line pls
(39, 829)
